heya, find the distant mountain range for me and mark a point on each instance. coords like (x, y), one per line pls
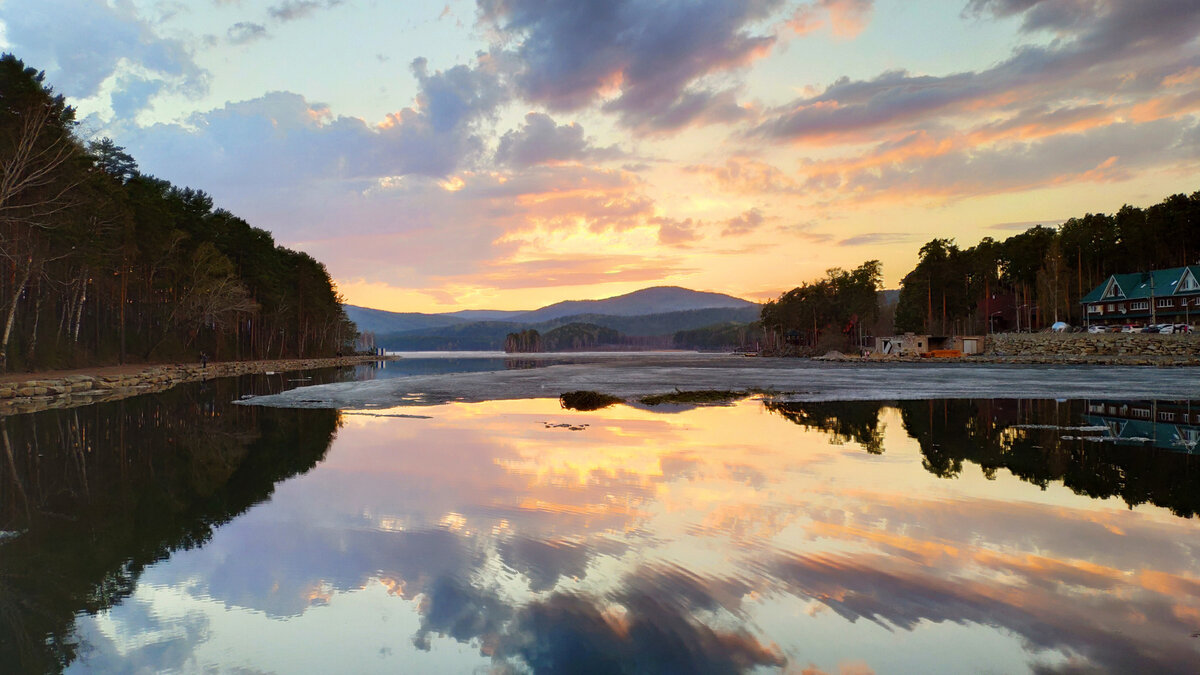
(657, 311)
(655, 300)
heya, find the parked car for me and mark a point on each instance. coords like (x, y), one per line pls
(1097, 329)
(1129, 328)
(1151, 329)
(1166, 328)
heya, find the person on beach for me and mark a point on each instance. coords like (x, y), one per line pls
(204, 360)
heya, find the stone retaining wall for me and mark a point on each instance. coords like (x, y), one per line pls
(75, 390)
(1093, 344)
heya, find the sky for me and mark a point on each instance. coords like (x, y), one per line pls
(507, 154)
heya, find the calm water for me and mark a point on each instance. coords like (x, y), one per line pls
(179, 532)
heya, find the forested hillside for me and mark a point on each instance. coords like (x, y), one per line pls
(100, 263)
(1044, 271)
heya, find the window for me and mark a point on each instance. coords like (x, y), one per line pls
(1166, 302)
(1166, 417)
(1094, 309)
(1139, 305)
(1111, 307)
(1189, 283)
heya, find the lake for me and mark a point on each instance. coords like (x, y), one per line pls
(182, 532)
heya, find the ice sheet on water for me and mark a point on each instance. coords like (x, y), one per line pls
(793, 379)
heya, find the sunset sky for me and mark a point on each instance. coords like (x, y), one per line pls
(512, 153)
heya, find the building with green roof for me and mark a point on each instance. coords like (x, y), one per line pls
(1161, 296)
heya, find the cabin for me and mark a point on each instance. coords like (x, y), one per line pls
(1161, 296)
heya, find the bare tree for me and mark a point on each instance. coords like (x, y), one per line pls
(32, 193)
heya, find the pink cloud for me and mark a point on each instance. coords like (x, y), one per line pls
(847, 18)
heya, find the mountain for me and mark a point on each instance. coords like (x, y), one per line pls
(381, 321)
(489, 335)
(663, 323)
(658, 311)
(656, 300)
(486, 314)
(469, 336)
(888, 298)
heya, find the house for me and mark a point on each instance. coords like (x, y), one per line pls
(1162, 296)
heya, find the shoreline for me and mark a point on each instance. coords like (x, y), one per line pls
(32, 392)
(1145, 360)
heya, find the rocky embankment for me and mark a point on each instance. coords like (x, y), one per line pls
(1120, 348)
(1116, 349)
(74, 390)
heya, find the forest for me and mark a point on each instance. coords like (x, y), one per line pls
(102, 264)
(1032, 279)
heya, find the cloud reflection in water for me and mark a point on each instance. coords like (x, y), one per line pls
(712, 540)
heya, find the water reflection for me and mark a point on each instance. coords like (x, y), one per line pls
(91, 496)
(941, 536)
(1040, 442)
(443, 363)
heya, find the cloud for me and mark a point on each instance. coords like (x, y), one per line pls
(541, 141)
(656, 634)
(1097, 45)
(544, 562)
(745, 223)
(245, 32)
(647, 63)
(894, 594)
(1023, 225)
(672, 232)
(290, 10)
(133, 95)
(100, 41)
(459, 95)
(461, 611)
(282, 141)
(294, 167)
(572, 270)
(743, 175)
(847, 18)
(877, 239)
(807, 232)
(1109, 153)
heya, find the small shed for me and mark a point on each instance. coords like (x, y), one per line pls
(908, 344)
(911, 344)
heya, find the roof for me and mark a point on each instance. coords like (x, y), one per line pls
(1137, 286)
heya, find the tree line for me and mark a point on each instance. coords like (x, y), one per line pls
(1025, 282)
(575, 336)
(834, 308)
(1037, 277)
(989, 434)
(100, 263)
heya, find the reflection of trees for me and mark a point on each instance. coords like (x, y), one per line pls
(856, 421)
(985, 433)
(994, 434)
(100, 492)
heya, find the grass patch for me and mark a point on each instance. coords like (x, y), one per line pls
(587, 400)
(697, 396)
